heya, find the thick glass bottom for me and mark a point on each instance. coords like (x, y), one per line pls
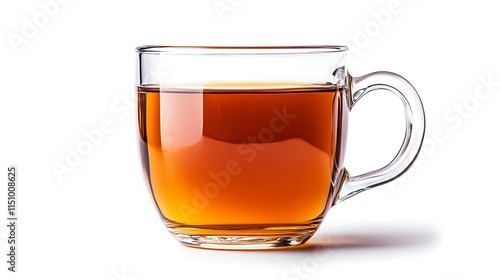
(243, 237)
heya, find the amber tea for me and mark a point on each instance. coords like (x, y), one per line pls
(241, 154)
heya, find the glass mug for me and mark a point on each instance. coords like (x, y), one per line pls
(243, 147)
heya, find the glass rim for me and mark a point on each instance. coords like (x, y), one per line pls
(248, 50)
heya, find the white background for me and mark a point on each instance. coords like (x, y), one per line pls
(77, 67)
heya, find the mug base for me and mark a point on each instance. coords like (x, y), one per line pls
(255, 237)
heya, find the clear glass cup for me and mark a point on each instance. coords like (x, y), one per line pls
(243, 147)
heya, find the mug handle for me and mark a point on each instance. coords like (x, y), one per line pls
(414, 135)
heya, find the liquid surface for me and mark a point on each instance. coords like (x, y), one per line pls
(246, 155)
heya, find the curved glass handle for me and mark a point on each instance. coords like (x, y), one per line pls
(415, 129)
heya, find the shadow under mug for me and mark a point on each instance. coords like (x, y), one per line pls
(243, 147)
